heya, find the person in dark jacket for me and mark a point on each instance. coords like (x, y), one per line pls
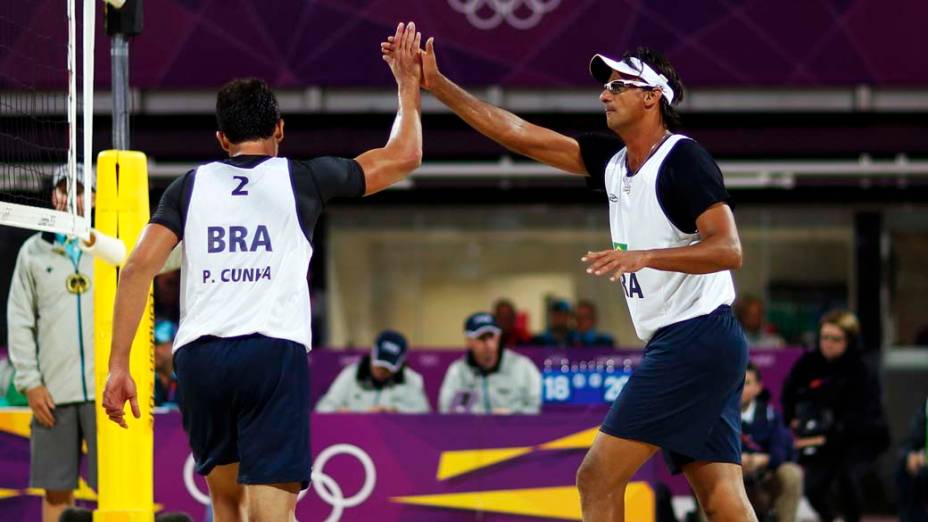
(831, 401)
(771, 479)
(912, 474)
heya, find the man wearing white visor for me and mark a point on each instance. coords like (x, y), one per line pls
(674, 240)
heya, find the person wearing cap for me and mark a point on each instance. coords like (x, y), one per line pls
(50, 339)
(490, 379)
(379, 383)
(673, 243)
(559, 333)
(165, 379)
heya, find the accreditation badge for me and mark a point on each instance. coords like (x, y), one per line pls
(77, 283)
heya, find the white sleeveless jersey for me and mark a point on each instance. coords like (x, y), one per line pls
(657, 298)
(245, 256)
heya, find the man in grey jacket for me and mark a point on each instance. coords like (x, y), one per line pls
(50, 319)
(490, 379)
(378, 383)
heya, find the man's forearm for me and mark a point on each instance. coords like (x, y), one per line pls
(131, 296)
(705, 257)
(493, 122)
(406, 133)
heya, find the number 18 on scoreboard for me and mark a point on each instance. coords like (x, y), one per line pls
(583, 383)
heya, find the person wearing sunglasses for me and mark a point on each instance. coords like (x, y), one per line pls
(831, 400)
(673, 243)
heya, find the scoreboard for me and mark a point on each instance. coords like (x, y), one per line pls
(593, 382)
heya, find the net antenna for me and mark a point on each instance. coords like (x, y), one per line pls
(46, 101)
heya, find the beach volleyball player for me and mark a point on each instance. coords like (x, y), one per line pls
(674, 241)
(240, 351)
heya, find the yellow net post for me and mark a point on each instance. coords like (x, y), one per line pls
(126, 489)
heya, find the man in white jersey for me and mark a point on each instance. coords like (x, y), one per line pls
(240, 352)
(674, 241)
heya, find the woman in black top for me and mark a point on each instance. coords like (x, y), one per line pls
(831, 401)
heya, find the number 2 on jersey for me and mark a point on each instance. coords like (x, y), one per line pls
(240, 189)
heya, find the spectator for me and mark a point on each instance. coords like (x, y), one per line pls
(165, 379)
(912, 475)
(10, 395)
(832, 403)
(167, 294)
(513, 326)
(378, 383)
(750, 312)
(770, 478)
(50, 319)
(490, 379)
(559, 332)
(587, 334)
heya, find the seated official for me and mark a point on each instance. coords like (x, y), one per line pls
(772, 481)
(490, 379)
(378, 383)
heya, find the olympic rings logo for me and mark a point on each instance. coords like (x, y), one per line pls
(329, 490)
(326, 487)
(489, 14)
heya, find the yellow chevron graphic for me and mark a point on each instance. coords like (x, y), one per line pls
(454, 463)
(579, 440)
(83, 492)
(561, 502)
(16, 422)
(459, 462)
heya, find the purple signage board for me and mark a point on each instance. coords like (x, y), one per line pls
(400, 467)
(325, 364)
(192, 44)
(380, 467)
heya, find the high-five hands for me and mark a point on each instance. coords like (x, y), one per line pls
(429, 64)
(403, 57)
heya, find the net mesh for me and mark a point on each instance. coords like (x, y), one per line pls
(35, 139)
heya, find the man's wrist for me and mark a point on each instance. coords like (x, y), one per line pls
(118, 364)
(648, 258)
(439, 87)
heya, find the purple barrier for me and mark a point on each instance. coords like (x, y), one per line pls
(325, 364)
(545, 43)
(414, 476)
(383, 467)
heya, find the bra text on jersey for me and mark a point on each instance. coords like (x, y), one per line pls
(631, 286)
(238, 239)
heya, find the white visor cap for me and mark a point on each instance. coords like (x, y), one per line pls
(601, 68)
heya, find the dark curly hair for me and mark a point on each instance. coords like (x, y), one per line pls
(246, 110)
(656, 61)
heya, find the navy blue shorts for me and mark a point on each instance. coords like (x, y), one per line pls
(246, 400)
(685, 395)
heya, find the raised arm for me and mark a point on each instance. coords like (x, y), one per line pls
(503, 127)
(403, 152)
